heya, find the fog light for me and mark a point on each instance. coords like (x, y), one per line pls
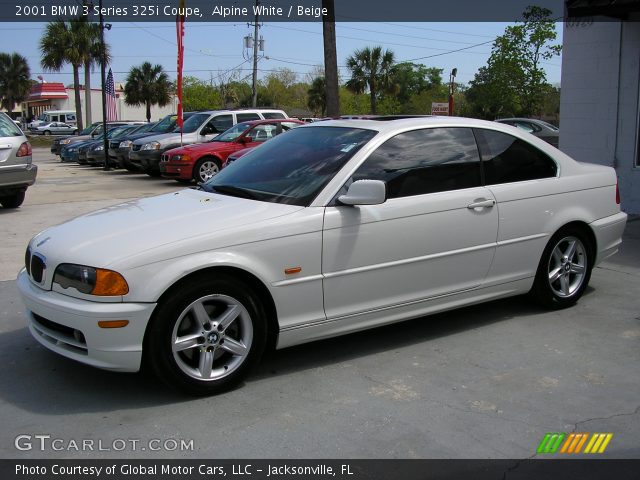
(79, 336)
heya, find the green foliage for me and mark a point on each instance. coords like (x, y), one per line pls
(15, 83)
(316, 97)
(199, 95)
(513, 82)
(371, 70)
(148, 85)
(411, 79)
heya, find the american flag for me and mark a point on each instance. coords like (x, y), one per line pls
(110, 93)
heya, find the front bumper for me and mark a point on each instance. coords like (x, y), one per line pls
(145, 159)
(69, 327)
(183, 171)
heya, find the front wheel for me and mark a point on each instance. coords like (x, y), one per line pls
(206, 169)
(564, 270)
(47, 132)
(206, 336)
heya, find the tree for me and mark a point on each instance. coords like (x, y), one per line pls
(15, 82)
(411, 79)
(332, 98)
(317, 96)
(199, 95)
(88, 39)
(59, 45)
(371, 70)
(147, 85)
(513, 81)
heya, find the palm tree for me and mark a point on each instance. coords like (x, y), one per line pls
(371, 69)
(15, 81)
(147, 85)
(332, 97)
(316, 96)
(60, 45)
(88, 39)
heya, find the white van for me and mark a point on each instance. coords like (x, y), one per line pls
(64, 116)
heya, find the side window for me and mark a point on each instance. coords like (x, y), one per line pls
(527, 127)
(262, 133)
(272, 115)
(54, 118)
(246, 117)
(424, 161)
(218, 124)
(507, 159)
(71, 118)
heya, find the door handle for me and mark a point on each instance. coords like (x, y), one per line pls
(481, 204)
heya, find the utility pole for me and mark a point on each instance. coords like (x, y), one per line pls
(105, 140)
(452, 86)
(332, 94)
(254, 101)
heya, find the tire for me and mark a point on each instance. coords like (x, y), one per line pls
(214, 359)
(564, 270)
(205, 169)
(47, 133)
(13, 201)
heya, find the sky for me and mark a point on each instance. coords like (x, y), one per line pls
(213, 49)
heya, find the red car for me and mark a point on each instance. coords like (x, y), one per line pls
(202, 161)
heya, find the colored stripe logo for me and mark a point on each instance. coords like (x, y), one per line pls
(574, 443)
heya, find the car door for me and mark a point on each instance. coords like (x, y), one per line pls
(433, 236)
(523, 180)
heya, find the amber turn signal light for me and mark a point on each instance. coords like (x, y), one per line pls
(113, 323)
(109, 283)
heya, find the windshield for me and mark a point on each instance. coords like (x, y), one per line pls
(120, 131)
(147, 127)
(233, 133)
(547, 124)
(291, 168)
(42, 117)
(192, 123)
(89, 129)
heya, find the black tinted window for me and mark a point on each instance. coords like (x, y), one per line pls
(424, 161)
(245, 117)
(272, 115)
(507, 159)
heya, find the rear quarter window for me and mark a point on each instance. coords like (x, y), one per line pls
(8, 128)
(507, 159)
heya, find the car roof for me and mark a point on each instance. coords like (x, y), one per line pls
(272, 120)
(390, 124)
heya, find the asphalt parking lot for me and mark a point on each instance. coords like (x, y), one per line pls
(482, 382)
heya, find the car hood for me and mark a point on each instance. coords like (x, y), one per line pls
(146, 230)
(162, 138)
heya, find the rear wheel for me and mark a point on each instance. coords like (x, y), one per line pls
(564, 270)
(205, 169)
(206, 336)
(13, 201)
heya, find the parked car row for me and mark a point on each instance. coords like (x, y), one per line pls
(194, 153)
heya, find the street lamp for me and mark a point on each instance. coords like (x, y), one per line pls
(452, 79)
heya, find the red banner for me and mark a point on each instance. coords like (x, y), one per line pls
(180, 38)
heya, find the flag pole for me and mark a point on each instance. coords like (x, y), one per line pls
(104, 93)
(180, 40)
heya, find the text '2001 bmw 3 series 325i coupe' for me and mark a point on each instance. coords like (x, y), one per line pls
(326, 229)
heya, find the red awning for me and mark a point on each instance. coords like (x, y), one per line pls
(47, 91)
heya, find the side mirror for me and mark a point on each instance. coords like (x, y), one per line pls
(365, 192)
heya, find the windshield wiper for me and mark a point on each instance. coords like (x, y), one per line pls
(233, 191)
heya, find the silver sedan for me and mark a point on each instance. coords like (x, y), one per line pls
(54, 128)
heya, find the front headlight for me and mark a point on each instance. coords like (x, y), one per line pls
(65, 142)
(181, 158)
(99, 148)
(90, 280)
(125, 144)
(151, 146)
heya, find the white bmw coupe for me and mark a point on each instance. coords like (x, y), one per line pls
(330, 228)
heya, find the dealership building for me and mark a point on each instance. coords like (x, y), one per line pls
(600, 96)
(55, 96)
